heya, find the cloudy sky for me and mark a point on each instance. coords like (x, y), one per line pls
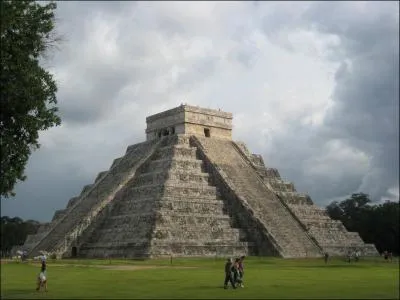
(313, 87)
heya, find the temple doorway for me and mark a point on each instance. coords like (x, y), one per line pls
(74, 252)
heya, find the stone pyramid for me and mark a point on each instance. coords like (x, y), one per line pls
(190, 190)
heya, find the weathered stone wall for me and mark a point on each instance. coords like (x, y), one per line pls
(67, 228)
(189, 120)
(215, 132)
(330, 235)
(169, 208)
(242, 214)
(292, 239)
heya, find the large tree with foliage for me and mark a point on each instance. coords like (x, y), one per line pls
(377, 224)
(28, 91)
(14, 232)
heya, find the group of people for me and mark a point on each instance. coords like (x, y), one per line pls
(356, 254)
(234, 272)
(388, 256)
(41, 283)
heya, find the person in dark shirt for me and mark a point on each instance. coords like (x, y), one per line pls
(241, 265)
(228, 274)
(43, 265)
(326, 257)
(241, 270)
(236, 273)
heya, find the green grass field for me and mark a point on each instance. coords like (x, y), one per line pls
(203, 279)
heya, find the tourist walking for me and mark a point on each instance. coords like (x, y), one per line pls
(386, 255)
(228, 274)
(236, 274)
(326, 257)
(241, 270)
(42, 279)
(390, 254)
(349, 256)
(357, 255)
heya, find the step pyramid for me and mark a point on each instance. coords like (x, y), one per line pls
(189, 190)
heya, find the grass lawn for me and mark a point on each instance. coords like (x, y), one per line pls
(203, 278)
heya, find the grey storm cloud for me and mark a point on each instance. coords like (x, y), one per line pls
(262, 61)
(366, 95)
(89, 97)
(367, 92)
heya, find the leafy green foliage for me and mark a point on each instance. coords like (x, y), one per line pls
(377, 224)
(14, 231)
(28, 92)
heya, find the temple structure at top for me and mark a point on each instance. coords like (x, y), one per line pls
(190, 120)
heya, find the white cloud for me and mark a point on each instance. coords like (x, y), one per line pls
(274, 65)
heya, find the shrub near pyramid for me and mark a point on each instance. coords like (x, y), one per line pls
(190, 190)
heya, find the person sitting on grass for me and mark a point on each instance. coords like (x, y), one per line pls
(228, 274)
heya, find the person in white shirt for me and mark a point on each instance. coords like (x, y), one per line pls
(42, 281)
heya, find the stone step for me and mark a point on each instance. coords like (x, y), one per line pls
(193, 177)
(177, 233)
(176, 250)
(176, 151)
(295, 198)
(200, 243)
(167, 242)
(152, 191)
(164, 197)
(215, 207)
(197, 199)
(171, 189)
(275, 219)
(176, 164)
(195, 219)
(231, 234)
(147, 204)
(281, 185)
(167, 217)
(189, 190)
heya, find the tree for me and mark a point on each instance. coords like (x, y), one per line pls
(377, 224)
(28, 91)
(14, 232)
